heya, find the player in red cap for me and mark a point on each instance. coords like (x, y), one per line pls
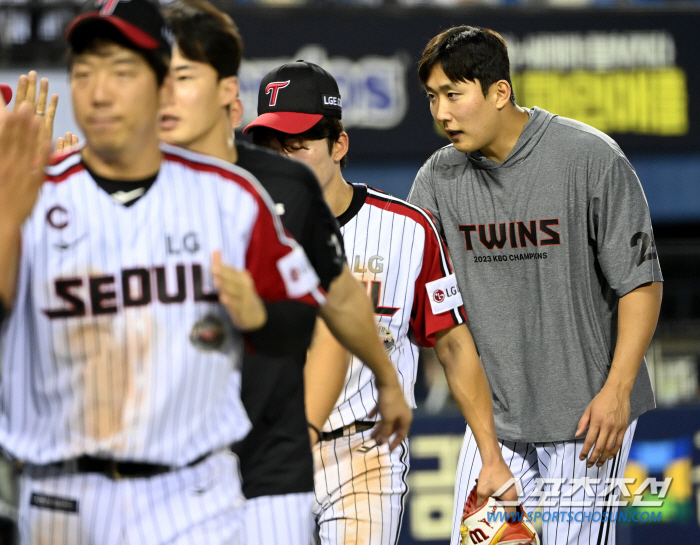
(396, 251)
(119, 393)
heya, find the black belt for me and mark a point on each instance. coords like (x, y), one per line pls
(115, 469)
(351, 429)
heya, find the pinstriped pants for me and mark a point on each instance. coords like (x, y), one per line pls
(559, 460)
(283, 518)
(202, 504)
(360, 490)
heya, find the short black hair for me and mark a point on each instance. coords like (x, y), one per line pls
(467, 53)
(205, 34)
(98, 32)
(328, 128)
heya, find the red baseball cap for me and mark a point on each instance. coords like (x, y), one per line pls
(139, 21)
(6, 91)
(295, 96)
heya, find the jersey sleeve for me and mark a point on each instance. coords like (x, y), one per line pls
(620, 226)
(279, 267)
(437, 301)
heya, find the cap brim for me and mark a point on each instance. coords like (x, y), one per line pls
(287, 122)
(134, 34)
(6, 91)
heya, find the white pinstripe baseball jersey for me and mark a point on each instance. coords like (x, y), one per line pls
(117, 345)
(394, 248)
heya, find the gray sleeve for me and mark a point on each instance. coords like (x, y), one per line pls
(423, 192)
(620, 227)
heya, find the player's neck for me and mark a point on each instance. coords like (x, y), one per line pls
(338, 194)
(513, 122)
(218, 142)
(136, 161)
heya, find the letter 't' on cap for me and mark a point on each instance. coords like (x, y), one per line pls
(295, 96)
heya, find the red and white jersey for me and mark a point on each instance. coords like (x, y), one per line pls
(117, 345)
(394, 249)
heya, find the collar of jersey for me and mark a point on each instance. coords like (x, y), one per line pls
(359, 194)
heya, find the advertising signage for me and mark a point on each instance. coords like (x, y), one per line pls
(629, 74)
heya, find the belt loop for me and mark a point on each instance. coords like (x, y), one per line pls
(114, 470)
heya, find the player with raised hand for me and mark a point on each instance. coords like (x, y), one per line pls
(553, 248)
(276, 461)
(396, 251)
(119, 396)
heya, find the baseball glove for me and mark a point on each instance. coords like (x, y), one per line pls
(489, 524)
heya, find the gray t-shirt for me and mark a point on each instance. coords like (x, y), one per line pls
(543, 246)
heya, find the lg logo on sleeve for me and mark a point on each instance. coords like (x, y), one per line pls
(440, 295)
(443, 294)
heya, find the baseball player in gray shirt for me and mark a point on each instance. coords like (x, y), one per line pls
(552, 244)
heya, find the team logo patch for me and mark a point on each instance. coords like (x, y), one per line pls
(298, 274)
(443, 294)
(387, 337)
(273, 90)
(208, 334)
(57, 217)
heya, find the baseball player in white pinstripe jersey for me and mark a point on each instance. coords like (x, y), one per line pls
(395, 250)
(17, 176)
(119, 393)
(275, 458)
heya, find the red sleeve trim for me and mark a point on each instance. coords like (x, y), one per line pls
(436, 264)
(263, 266)
(233, 174)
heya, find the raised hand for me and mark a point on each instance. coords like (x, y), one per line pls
(44, 109)
(66, 142)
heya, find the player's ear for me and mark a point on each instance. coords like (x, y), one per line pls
(501, 90)
(236, 113)
(341, 147)
(228, 91)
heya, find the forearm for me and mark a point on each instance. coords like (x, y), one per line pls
(638, 313)
(9, 261)
(470, 388)
(324, 375)
(349, 315)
